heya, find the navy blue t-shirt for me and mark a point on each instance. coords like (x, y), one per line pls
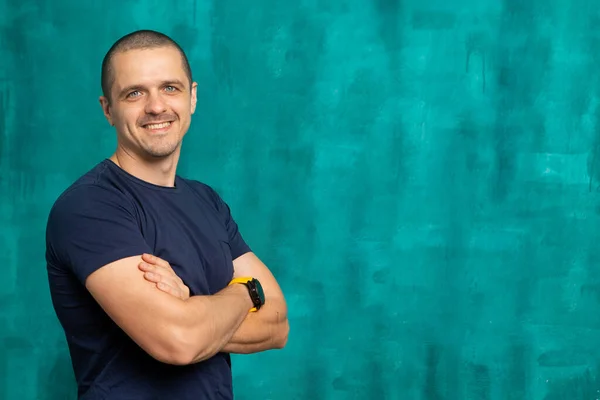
(107, 215)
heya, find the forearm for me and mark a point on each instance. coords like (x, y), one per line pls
(213, 320)
(263, 330)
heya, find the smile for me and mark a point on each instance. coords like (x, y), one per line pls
(161, 125)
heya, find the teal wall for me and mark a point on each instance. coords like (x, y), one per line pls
(422, 176)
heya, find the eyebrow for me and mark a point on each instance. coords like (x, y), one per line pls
(131, 88)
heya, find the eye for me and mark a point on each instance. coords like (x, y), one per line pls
(135, 93)
(170, 89)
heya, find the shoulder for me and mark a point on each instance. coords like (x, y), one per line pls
(87, 198)
(85, 213)
(204, 191)
(91, 222)
(83, 207)
(198, 186)
(88, 192)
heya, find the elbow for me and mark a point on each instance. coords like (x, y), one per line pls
(181, 358)
(188, 351)
(176, 348)
(171, 357)
(178, 357)
(171, 352)
(280, 340)
(188, 343)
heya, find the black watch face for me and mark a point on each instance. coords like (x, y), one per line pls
(256, 293)
(261, 293)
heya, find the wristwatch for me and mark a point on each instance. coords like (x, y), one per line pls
(254, 288)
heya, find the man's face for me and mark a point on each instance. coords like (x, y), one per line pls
(151, 102)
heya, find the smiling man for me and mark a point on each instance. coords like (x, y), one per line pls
(149, 275)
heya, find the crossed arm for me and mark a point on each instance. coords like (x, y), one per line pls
(181, 331)
(268, 328)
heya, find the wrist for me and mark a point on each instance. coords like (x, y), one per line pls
(254, 288)
(241, 292)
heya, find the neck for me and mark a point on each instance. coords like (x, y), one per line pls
(157, 171)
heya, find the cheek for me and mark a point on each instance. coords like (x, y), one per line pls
(130, 117)
(184, 110)
(181, 106)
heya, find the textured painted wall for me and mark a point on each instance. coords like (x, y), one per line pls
(422, 176)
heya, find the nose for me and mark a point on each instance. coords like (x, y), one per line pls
(155, 104)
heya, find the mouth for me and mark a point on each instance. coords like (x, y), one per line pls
(158, 126)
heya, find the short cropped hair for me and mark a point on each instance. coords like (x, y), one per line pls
(142, 39)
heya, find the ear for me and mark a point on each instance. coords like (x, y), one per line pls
(193, 97)
(106, 109)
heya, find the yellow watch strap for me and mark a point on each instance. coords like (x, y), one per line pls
(242, 279)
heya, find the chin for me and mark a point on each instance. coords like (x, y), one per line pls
(161, 151)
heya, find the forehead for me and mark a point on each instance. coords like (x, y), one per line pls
(147, 67)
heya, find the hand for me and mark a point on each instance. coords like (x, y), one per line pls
(160, 272)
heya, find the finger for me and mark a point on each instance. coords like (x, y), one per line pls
(173, 284)
(147, 267)
(149, 258)
(152, 277)
(158, 277)
(168, 289)
(176, 288)
(164, 283)
(166, 272)
(164, 287)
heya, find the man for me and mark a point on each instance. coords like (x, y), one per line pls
(150, 278)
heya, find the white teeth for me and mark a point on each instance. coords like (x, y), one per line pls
(158, 126)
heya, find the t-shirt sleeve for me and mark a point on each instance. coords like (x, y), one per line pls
(91, 226)
(236, 241)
